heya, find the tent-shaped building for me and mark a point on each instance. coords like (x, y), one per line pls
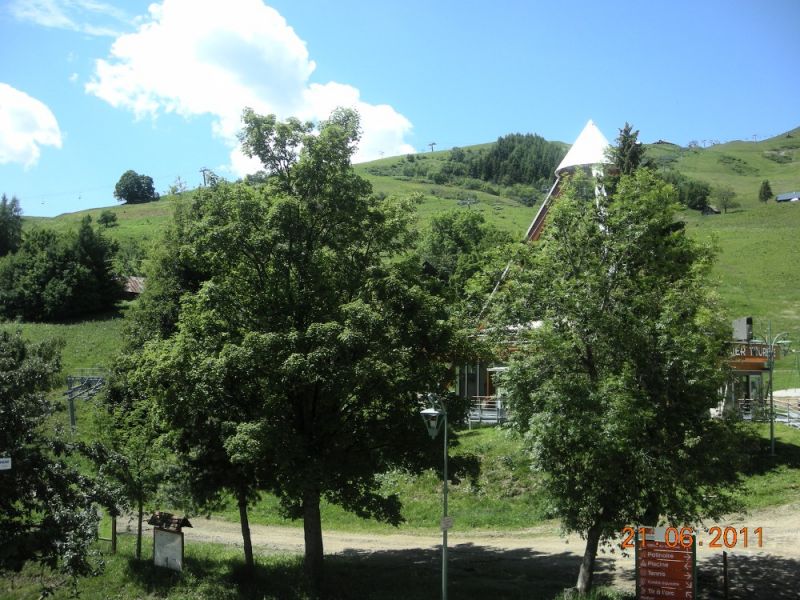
(589, 154)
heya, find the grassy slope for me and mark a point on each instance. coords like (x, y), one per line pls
(757, 271)
(758, 265)
(502, 211)
(140, 222)
(88, 343)
(505, 495)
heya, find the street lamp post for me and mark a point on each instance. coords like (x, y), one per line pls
(435, 418)
(772, 341)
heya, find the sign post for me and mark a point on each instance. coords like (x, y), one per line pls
(666, 564)
(168, 540)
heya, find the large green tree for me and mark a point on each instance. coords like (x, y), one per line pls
(725, 197)
(10, 225)
(46, 512)
(619, 361)
(629, 153)
(134, 188)
(287, 340)
(691, 193)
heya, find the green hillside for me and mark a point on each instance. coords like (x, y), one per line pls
(742, 165)
(758, 267)
(140, 222)
(757, 273)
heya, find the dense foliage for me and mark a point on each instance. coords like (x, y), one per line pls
(134, 188)
(107, 218)
(46, 512)
(58, 276)
(623, 158)
(10, 225)
(284, 341)
(517, 166)
(463, 256)
(518, 158)
(691, 193)
(613, 390)
(127, 453)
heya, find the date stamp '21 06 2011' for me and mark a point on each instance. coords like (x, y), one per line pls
(719, 537)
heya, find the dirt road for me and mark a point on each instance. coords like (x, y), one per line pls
(774, 565)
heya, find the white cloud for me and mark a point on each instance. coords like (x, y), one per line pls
(25, 124)
(73, 15)
(192, 58)
(73, 78)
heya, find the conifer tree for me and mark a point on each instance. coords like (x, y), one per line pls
(765, 191)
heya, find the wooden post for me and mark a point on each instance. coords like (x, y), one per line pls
(71, 407)
(725, 575)
(113, 535)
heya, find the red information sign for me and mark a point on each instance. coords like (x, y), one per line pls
(664, 570)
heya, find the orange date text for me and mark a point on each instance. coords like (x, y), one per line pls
(683, 537)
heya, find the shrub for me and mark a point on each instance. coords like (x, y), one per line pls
(55, 276)
(107, 218)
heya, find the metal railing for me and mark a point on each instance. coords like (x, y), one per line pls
(487, 409)
(84, 384)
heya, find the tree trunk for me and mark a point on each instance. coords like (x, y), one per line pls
(312, 527)
(650, 516)
(139, 530)
(248, 546)
(586, 573)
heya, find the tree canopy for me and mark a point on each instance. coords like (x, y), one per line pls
(629, 153)
(57, 276)
(517, 158)
(613, 390)
(134, 188)
(107, 219)
(464, 255)
(691, 193)
(624, 157)
(284, 348)
(10, 225)
(725, 197)
(46, 512)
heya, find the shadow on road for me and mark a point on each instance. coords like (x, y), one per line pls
(750, 578)
(473, 571)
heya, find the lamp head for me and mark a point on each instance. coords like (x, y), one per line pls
(433, 420)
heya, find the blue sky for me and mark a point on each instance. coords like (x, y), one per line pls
(91, 88)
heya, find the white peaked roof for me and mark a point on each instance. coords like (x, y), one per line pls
(588, 149)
